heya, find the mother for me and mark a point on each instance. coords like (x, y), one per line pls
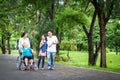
(23, 39)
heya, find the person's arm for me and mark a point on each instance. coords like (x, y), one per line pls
(28, 42)
(21, 51)
(56, 40)
(41, 43)
(49, 44)
(19, 44)
(32, 51)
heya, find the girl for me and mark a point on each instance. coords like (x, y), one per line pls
(42, 51)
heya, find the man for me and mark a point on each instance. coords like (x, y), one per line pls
(51, 50)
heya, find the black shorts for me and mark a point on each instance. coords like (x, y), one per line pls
(29, 57)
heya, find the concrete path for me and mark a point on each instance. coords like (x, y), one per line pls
(8, 71)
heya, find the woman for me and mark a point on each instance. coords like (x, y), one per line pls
(23, 39)
(27, 55)
(42, 51)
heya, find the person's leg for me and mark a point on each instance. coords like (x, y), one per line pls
(26, 61)
(39, 60)
(31, 62)
(53, 59)
(43, 61)
(49, 60)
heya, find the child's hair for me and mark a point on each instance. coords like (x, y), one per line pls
(45, 37)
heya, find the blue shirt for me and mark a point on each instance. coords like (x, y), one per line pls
(26, 52)
(44, 46)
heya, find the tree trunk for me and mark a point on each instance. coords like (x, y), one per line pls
(59, 38)
(91, 51)
(52, 13)
(102, 39)
(58, 46)
(68, 54)
(97, 46)
(116, 50)
(91, 57)
(3, 45)
(8, 40)
(103, 17)
(103, 47)
(52, 10)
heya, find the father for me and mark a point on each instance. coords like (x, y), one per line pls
(51, 50)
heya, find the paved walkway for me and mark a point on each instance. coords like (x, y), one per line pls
(8, 71)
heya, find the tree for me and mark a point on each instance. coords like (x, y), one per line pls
(69, 46)
(10, 18)
(104, 10)
(92, 56)
(3, 39)
(88, 12)
(67, 21)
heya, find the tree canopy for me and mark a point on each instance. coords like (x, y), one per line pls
(93, 25)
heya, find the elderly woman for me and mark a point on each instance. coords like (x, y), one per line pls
(27, 55)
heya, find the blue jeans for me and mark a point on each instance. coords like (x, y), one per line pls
(51, 59)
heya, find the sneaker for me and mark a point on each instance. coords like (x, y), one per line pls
(49, 68)
(52, 68)
(42, 69)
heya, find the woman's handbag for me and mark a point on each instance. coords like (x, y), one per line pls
(42, 53)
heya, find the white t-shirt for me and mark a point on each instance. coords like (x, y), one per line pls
(51, 48)
(22, 41)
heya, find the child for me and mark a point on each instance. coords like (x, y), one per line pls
(42, 51)
(27, 54)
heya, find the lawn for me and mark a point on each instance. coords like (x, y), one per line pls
(12, 51)
(80, 59)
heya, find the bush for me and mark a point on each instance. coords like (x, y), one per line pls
(68, 45)
(61, 58)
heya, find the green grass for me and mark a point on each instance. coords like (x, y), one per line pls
(80, 59)
(12, 52)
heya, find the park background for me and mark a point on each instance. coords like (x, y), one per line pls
(88, 30)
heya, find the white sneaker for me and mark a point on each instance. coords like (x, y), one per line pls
(42, 68)
(49, 68)
(52, 68)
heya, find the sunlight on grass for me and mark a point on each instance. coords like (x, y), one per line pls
(80, 59)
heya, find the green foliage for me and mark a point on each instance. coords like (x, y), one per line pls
(17, 16)
(84, 47)
(113, 35)
(116, 10)
(73, 16)
(69, 22)
(68, 45)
